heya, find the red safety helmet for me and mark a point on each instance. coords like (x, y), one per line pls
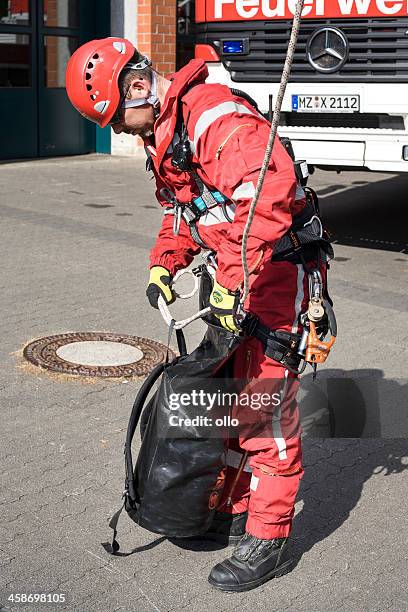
(92, 77)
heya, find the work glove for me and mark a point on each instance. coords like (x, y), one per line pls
(224, 304)
(159, 284)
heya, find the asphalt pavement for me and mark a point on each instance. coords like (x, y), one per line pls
(74, 246)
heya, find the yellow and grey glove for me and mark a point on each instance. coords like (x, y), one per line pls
(224, 304)
(159, 284)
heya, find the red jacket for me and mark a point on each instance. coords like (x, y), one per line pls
(229, 140)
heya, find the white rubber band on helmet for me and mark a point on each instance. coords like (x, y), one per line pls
(145, 62)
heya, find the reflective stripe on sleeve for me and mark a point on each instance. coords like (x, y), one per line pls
(150, 150)
(253, 485)
(212, 114)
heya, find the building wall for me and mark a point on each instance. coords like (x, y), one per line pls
(156, 29)
(151, 26)
(124, 24)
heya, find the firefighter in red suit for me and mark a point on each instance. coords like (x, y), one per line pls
(109, 82)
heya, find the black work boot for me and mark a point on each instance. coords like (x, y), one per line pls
(253, 562)
(227, 528)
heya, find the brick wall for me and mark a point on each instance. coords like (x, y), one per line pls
(51, 48)
(156, 33)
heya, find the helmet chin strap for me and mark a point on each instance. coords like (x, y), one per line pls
(152, 99)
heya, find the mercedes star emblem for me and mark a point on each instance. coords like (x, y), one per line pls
(327, 50)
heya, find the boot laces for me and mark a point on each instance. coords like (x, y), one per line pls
(256, 547)
(265, 545)
(251, 548)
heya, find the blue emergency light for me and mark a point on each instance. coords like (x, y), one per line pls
(232, 46)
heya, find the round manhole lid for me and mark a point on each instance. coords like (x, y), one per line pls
(97, 354)
(100, 353)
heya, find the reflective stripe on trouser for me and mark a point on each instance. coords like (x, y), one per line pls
(278, 294)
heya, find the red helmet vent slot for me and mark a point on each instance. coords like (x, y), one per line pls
(92, 77)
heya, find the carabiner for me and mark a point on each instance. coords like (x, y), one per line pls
(315, 284)
(315, 310)
(177, 218)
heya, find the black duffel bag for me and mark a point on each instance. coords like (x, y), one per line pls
(179, 474)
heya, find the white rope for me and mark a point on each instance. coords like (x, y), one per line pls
(177, 276)
(164, 309)
(271, 140)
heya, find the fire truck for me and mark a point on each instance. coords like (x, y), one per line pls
(346, 104)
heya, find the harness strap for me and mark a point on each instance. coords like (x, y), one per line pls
(281, 346)
(209, 201)
(205, 193)
(114, 547)
(305, 239)
(195, 234)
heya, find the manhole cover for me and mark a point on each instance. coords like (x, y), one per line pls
(96, 354)
(100, 353)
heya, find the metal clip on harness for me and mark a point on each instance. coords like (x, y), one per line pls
(312, 348)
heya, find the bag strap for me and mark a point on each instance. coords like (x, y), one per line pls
(129, 493)
(133, 421)
(181, 342)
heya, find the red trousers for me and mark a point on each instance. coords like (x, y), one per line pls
(268, 484)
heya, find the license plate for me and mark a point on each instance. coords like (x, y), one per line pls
(325, 104)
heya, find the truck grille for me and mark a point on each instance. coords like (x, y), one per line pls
(378, 50)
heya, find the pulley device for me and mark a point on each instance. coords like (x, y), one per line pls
(317, 322)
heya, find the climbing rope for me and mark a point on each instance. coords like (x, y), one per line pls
(268, 153)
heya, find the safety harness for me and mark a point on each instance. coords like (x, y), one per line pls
(306, 243)
(192, 211)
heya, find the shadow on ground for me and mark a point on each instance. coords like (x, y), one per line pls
(340, 411)
(353, 404)
(362, 214)
(329, 497)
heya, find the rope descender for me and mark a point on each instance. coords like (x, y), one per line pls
(312, 347)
